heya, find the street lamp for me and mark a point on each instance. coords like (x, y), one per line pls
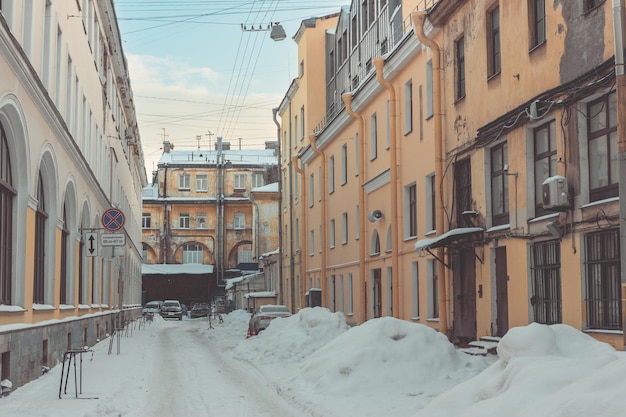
(277, 31)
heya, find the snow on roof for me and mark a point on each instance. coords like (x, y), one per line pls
(172, 269)
(425, 244)
(269, 188)
(260, 294)
(235, 157)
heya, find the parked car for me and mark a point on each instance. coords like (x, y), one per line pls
(172, 309)
(263, 315)
(151, 308)
(200, 310)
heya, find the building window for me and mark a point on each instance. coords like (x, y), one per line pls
(410, 207)
(546, 282)
(462, 191)
(312, 243)
(493, 48)
(258, 180)
(183, 221)
(433, 289)
(373, 137)
(201, 222)
(375, 244)
(202, 182)
(344, 228)
(602, 280)
(603, 153)
(297, 227)
(408, 107)
(331, 174)
(431, 223)
(537, 17)
(65, 242)
(356, 154)
(144, 253)
(459, 54)
(544, 141)
(301, 69)
(344, 164)
(7, 194)
(499, 185)
(146, 220)
(415, 290)
(244, 254)
(311, 190)
(184, 182)
(429, 89)
(350, 295)
(192, 253)
(41, 221)
(331, 232)
(302, 127)
(240, 221)
(240, 181)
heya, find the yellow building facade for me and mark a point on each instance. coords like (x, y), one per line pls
(465, 171)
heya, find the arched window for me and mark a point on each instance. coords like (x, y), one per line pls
(65, 238)
(7, 194)
(41, 218)
(375, 244)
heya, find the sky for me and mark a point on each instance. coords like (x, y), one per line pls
(314, 364)
(197, 74)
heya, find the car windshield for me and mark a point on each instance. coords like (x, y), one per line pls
(152, 305)
(171, 304)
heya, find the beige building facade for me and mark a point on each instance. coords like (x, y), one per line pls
(70, 155)
(217, 208)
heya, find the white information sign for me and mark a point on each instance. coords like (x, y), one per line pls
(91, 242)
(113, 239)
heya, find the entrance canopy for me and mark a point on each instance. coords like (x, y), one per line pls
(451, 237)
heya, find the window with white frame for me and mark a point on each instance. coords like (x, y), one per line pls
(344, 164)
(331, 232)
(350, 308)
(146, 219)
(344, 227)
(356, 154)
(433, 289)
(244, 254)
(357, 224)
(201, 222)
(184, 181)
(240, 220)
(415, 293)
(321, 237)
(410, 209)
(602, 144)
(311, 242)
(258, 180)
(298, 234)
(408, 107)
(431, 223)
(240, 181)
(183, 221)
(202, 182)
(373, 137)
(302, 122)
(331, 174)
(311, 190)
(192, 253)
(429, 89)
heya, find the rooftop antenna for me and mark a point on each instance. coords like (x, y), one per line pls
(198, 138)
(209, 134)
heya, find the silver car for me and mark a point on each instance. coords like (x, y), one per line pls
(172, 309)
(263, 315)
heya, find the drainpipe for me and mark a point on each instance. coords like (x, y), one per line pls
(347, 99)
(620, 81)
(419, 18)
(324, 241)
(280, 210)
(396, 286)
(303, 233)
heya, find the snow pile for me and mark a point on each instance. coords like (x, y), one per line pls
(394, 358)
(543, 371)
(293, 338)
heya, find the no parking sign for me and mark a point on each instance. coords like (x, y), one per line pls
(113, 219)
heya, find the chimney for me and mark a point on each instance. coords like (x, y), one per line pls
(225, 146)
(167, 147)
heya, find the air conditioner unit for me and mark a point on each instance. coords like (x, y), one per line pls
(554, 192)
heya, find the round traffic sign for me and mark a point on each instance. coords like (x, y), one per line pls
(113, 219)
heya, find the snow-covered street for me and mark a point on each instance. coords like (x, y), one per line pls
(313, 364)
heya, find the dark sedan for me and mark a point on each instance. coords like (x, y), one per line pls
(200, 310)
